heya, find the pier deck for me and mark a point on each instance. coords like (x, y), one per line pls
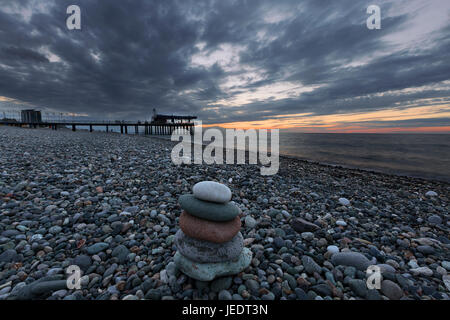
(149, 128)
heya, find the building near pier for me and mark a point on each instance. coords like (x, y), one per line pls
(31, 116)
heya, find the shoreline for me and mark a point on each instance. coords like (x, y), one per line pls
(309, 161)
(334, 165)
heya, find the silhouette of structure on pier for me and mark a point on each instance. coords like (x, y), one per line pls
(31, 116)
(162, 118)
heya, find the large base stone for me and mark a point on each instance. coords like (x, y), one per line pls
(209, 271)
(217, 232)
(209, 252)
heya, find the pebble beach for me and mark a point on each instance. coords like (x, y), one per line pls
(109, 204)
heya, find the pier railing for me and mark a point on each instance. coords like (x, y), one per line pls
(149, 128)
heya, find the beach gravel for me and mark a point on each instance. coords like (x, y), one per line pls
(109, 204)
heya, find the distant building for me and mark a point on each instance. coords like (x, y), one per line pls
(8, 120)
(31, 116)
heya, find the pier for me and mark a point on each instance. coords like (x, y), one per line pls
(160, 124)
(147, 128)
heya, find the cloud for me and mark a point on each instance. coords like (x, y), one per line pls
(14, 53)
(224, 61)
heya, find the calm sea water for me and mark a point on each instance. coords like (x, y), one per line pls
(417, 155)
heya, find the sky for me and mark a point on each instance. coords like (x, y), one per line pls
(307, 66)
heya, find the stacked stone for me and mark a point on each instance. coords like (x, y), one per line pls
(209, 242)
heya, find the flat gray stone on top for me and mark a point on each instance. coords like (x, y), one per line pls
(212, 191)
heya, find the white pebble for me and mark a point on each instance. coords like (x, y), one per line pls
(308, 236)
(212, 191)
(344, 201)
(422, 271)
(333, 249)
(341, 223)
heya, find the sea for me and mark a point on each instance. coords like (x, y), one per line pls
(416, 155)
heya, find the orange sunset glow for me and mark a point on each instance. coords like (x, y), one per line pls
(351, 122)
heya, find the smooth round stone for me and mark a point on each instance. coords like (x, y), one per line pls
(344, 201)
(250, 222)
(217, 232)
(209, 271)
(224, 295)
(426, 249)
(333, 249)
(424, 271)
(446, 280)
(435, 219)
(300, 225)
(446, 265)
(208, 210)
(209, 252)
(354, 259)
(341, 223)
(97, 247)
(212, 191)
(308, 236)
(386, 268)
(391, 290)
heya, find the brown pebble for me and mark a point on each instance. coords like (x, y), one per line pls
(217, 232)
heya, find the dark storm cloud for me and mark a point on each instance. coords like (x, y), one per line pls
(13, 53)
(131, 56)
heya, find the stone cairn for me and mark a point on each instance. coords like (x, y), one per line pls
(209, 242)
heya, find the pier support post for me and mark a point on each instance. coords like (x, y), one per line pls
(126, 129)
(107, 128)
(121, 129)
(74, 128)
(90, 128)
